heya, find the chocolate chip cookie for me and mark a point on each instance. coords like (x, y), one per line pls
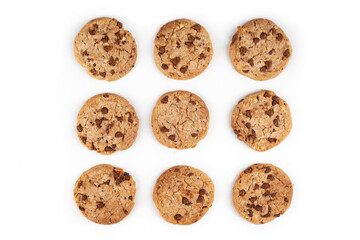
(105, 194)
(260, 50)
(262, 192)
(183, 195)
(183, 49)
(105, 49)
(107, 123)
(262, 120)
(180, 119)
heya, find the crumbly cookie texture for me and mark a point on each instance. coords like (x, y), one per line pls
(262, 120)
(183, 49)
(105, 49)
(262, 193)
(180, 119)
(183, 195)
(105, 194)
(107, 123)
(260, 50)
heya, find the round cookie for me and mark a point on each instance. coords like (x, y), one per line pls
(105, 49)
(105, 194)
(183, 49)
(180, 119)
(107, 123)
(262, 120)
(262, 192)
(260, 50)
(183, 195)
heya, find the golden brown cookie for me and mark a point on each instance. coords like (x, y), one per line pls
(260, 50)
(105, 49)
(105, 194)
(183, 49)
(262, 192)
(107, 123)
(180, 119)
(262, 120)
(183, 195)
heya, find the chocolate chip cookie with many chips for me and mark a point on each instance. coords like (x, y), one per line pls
(262, 193)
(180, 119)
(107, 123)
(260, 50)
(105, 49)
(105, 194)
(262, 120)
(183, 195)
(183, 49)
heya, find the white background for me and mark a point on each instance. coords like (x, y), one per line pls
(43, 87)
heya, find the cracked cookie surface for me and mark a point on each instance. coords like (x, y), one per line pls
(262, 120)
(107, 123)
(183, 49)
(262, 193)
(105, 194)
(260, 50)
(180, 119)
(105, 49)
(183, 195)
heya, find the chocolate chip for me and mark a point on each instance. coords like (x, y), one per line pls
(196, 27)
(269, 112)
(130, 198)
(276, 122)
(267, 170)
(246, 71)
(164, 99)
(164, 129)
(272, 51)
(243, 50)
(161, 50)
(171, 137)
(126, 176)
(268, 64)
(120, 119)
(81, 208)
(191, 38)
(202, 191)
(272, 140)
(183, 69)
(105, 39)
(85, 53)
(286, 53)
(251, 62)
(104, 110)
(279, 37)
(112, 71)
(194, 135)
(234, 38)
(200, 199)
(248, 125)
(270, 177)
(266, 94)
(263, 69)
(178, 217)
(266, 215)
(242, 193)
(130, 119)
(80, 184)
(100, 205)
(83, 139)
(248, 113)
(84, 197)
(119, 24)
(256, 186)
(192, 102)
(277, 215)
(265, 186)
(190, 174)
(263, 35)
(250, 214)
(248, 170)
(125, 211)
(103, 74)
(272, 31)
(275, 100)
(108, 149)
(266, 193)
(119, 134)
(92, 31)
(202, 56)
(175, 61)
(164, 66)
(258, 208)
(93, 71)
(186, 201)
(189, 44)
(285, 199)
(253, 199)
(98, 122)
(107, 182)
(256, 40)
(107, 48)
(112, 61)
(273, 194)
(79, 128)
